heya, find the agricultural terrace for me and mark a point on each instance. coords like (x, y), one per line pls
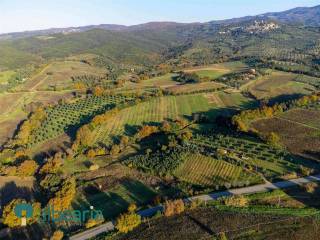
(277, 84)
(58, 76)
(256, 155)
(201, 170)
(298, 129)
(78, 113)
(153, 111)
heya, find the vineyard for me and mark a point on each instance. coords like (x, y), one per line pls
(153, 111)
(298, 128)
(206, 171)
(67, 117)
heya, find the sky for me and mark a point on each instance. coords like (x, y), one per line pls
(22, 15)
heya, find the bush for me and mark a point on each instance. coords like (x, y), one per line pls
(94, 167)
(57, 235)
(310, 187)
(173, 207)
(236, 201)
(127, 222)
(93, 222)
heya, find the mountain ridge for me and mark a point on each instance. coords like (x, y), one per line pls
(309, 16)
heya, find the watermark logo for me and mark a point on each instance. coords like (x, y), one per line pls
(23, 211)
(49, 214)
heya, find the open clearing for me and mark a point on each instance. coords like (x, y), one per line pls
(206, 171)
(278, 84)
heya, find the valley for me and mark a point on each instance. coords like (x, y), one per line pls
(125, 119)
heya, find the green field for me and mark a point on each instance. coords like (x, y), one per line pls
(206, 171)
(153, 111)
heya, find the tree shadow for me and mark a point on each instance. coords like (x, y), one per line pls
(109, 203)
(284, 98)
(137, 191)
(11, 191)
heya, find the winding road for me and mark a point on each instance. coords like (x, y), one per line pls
(109, 226)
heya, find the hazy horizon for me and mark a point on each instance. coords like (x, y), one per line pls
(21, 16)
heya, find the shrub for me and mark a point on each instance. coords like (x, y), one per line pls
(127, 222)
(222, 236)
(132, 208)
(146, 131)
(196, 203)
(173, 207)
(236, 201)
(115, 149)
(93, 222)
(310, 187)
(57, 235)
(94, 167)
(52, 165)
(305, 171)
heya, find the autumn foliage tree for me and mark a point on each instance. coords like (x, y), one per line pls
(243, 120)
(9, 217)
(128, 221)
(83, 137)
(25, 169)
(236, 201)
(146, 131)
(98, 91)
(57, 235)
(28, 126)
(63, 198)
(173, 207)
(52, 165)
